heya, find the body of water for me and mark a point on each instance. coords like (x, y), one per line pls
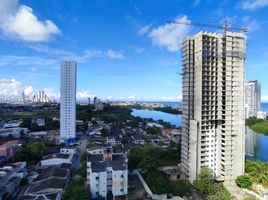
(156, 115)
(256, 146)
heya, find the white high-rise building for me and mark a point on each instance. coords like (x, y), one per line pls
(253, 98)
(68, 101)
(213, 117)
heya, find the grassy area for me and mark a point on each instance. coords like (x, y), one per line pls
(258, 125)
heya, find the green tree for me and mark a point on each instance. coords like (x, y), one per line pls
(104, 132)
(203, 183)
(76, 190)
(244, 181)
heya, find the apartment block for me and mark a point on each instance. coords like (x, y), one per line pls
(253, 98)
(68, 102)
(213, 129)
(107, 175)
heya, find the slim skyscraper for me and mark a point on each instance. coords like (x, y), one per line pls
(213, 105)
(68, 102)
(253, 98)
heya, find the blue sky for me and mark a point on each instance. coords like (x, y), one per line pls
(124, 48)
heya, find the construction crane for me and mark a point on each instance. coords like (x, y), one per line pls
(225, 27)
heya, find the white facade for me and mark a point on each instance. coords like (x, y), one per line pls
(108, 177)
(68, 151)
(68, 101)
(253, 98)
(57, 159)
(213, 129)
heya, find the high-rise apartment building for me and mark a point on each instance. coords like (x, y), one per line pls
(213, 105)
(68, 101)
(253, 98)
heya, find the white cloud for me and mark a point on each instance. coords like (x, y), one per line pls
(52, 93)
(132, 97)
(145, 29)
(253, 4)
(251, 24)
(264, 98)
(9, 87)
(26, 60)
(28, 90)
(83, 57)
(18, 21)
(84, 94)
(114, 54)
(170, 35)
(62, 54)
(172, 98)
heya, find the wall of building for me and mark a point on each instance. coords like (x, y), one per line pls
(68, 101)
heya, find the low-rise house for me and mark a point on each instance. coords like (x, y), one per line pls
(107, 175)
(57, 159)
(95, 149)
(152, 124)
(138, 139)
(12, 124)
(110, 140)
(8, 149)
(38, 122)
(10, 178)
(68, 150)
(13, 132)
(38, 133)
(49, 183)
(172, 172)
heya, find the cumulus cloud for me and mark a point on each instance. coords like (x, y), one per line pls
(18, 21)
(170, 35)
(115, 54)
(253, 4)
(52, 93)
(84, 94)
(132, 97)
(28, 90)
(9, 87)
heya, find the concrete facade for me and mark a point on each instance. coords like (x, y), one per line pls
(213, 115)
(68, 101)
(253, 98)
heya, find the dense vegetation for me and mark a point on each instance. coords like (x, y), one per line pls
(76, 190)
(32, 152)
(150, 157)
(256, 172)
(205, 184)
(109, 113)
(82, 170)
(159, 184)
(166, 109)
(258, 125)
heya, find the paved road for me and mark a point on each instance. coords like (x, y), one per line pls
(82, 148)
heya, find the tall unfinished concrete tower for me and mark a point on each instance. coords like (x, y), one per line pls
(213, 105)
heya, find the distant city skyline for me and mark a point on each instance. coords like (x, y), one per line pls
(124, 49)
